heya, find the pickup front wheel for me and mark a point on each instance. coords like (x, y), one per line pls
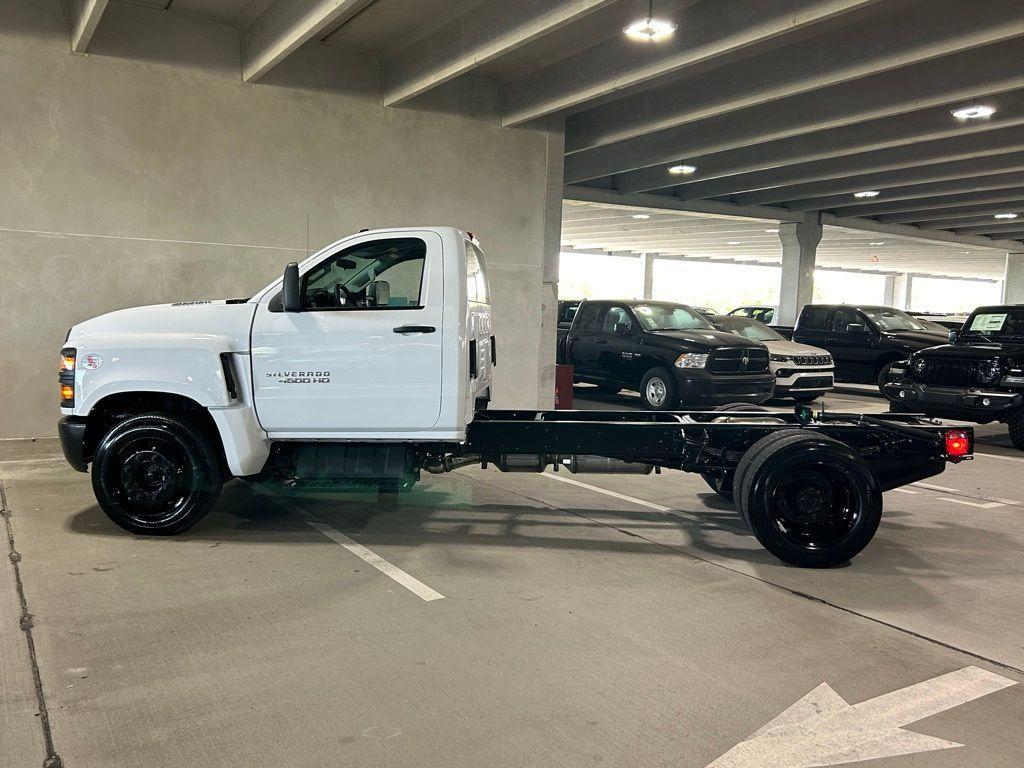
(155, 475)
(658, 390)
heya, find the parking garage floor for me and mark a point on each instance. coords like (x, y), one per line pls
(512, 620)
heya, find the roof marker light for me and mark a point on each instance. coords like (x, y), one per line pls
(866, 193)
(682, 170)
(974, 112)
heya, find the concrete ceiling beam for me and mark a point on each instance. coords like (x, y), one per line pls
(1015, 205)
(963, 171)
(980, 221)
(287, 24)
(486, 32)
(86, 17)
(707, 30)
(916, 233)
(928, 204)
(998, 230)
(917, 194)
(1004, 141)
(669, 203)
(942, 82)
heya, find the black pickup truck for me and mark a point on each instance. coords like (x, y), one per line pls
(864, 341)
(667, 352)
(978, 376)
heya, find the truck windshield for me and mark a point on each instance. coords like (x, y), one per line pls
(995, 324)
(748, 328)
(669, 317)
(889, 319)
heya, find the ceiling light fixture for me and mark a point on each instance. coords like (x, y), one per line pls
(640, 216)
(772, 231)
(877, 242)
(650, 30)
(866, 193)
(1005, 216)
(682, 170)
(974, 112)
(732, 242)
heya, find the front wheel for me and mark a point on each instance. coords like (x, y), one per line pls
(155, 475)
(883, 376)
(810, 500)
(658, 390)
(1016, 424)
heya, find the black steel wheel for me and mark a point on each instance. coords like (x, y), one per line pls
(153, 474)
(810, 500)
(1015, 422)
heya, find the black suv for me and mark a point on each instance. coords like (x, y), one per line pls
(978, 376)
(864, 340)
(668, 352)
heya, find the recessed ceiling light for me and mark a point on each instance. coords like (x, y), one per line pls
(640, 216)
(732, 242)
(866, 193)
(974, 112)
(877, 242)
(1006, 216)
(772, 231)
(682, 170)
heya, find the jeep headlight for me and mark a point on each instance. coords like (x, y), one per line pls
(780, 358)
(918, 365)
(692, 360)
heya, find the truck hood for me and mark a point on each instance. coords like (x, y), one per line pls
(224, 324)
(975, 351)
(782, 347)
(917, 338)
(708, 339)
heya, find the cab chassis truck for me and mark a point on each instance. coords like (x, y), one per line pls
(371, 363)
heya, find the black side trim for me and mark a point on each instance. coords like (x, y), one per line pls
(229, 375)
(494, 351)
(472, 358)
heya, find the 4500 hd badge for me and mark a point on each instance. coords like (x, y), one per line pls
(300, 377)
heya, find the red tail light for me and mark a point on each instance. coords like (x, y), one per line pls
(957, 443)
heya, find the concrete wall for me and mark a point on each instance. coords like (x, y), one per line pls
(146, 172)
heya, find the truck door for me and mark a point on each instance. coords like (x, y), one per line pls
(850, 343)
(364, 353)
(620, 347)
(582, 347)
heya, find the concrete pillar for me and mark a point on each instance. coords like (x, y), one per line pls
(648, 276)
(799, 246)
(1013, 279)
(897, 290)
(552, 242)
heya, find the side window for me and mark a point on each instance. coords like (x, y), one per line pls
(616, 316)
(840, 319)
(383, 274)
(588, 317)
(814, 319)
(764, 315)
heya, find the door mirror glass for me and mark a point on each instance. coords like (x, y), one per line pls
(622, 329)
(855, 328)
(952, 337)
(291, 292)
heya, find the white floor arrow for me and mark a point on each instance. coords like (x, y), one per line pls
(822, 729)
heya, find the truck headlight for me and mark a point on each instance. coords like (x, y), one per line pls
(692, 360)
(780, 358)
(918, 365)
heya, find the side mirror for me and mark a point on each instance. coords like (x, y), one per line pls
(952, 337)
(855, 328)
(622, 329)
(291, 300)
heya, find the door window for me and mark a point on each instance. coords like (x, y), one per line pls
(382, 274)
(616, 316)
(814, 319)
(589, 317)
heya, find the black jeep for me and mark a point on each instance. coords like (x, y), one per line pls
(978, 376)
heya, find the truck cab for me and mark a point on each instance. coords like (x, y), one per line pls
(864, 340)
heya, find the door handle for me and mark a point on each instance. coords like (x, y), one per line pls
(414, 329)
(600, 341)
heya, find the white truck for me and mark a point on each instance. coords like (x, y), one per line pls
(371, 362)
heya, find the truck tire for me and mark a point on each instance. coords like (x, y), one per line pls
(1015, 422)
(155, 475)
(883, 375)
(658, 390)
(810, 500)
(722, 484)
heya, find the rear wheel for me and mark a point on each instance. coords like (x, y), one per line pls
(658, 390)
(721, 482)
(155, 475)
(1016, 424)
(810, 500)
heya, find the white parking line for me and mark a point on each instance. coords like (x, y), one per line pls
(389, 569)
(613, 494)
(989, 505)
(997, 456)
(972, 494)
(905, 490)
